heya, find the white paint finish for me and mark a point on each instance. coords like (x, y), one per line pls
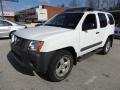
(41, 32)
(89, 37)
(56, 38)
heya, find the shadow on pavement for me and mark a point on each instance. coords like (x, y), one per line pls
(18, 67)
(117, 38)
(43, 76)
(4, 38)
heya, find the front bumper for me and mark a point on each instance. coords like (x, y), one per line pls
(35, 61)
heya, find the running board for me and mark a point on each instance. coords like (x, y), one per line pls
(79, 59)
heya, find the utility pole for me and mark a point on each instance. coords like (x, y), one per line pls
(98, 4)
(118, 3)
(107, 4)
(73, 3)
(1, 5)
(114, 3)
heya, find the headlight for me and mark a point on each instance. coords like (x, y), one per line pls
(13, 39)
(35, 45)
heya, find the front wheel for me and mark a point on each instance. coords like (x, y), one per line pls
(11, 33)
(60, 66)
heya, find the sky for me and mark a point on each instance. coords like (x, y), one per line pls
(23, 4)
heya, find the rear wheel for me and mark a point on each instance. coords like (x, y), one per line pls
(106, 47)
(60, 66)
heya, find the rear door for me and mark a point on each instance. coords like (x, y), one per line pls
(111, 23)
(5, 28)
(103, 26)
(89, 36)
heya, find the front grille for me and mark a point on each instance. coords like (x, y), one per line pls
(16, 55)
(21, 43)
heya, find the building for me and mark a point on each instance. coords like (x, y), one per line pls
(116, 14)
(37, 14)
(8, 15)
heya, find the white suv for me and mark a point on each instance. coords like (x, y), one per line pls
(55, 47)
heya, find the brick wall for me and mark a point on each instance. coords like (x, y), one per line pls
(53, 10)
(11, 18)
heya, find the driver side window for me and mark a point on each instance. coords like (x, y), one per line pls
(1, 23)
(89, 22)
(4, 23)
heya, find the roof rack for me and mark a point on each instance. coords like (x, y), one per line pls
(82, 9)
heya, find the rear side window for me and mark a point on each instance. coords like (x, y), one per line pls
(102, 19)
(110, 19)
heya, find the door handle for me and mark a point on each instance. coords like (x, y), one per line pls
(97, 32)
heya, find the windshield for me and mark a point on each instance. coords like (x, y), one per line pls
(65, 20)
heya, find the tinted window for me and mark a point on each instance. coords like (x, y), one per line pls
(110, 19)
(1, 23)
(65, 20)
(103, 20)
(6, 23)
(89, 22)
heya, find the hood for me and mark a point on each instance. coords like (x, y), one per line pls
(41, 32)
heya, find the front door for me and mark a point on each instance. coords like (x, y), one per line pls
(89, 36)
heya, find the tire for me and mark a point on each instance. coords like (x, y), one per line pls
(11, 33)
(61, 66)
(106, 47)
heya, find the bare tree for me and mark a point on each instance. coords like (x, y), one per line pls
(98, 3)
(73, 3)
(92, 3)
(44, 1)
(103, 4)
(118, 4)
(63, 6)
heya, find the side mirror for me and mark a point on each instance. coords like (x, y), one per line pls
(88, 26)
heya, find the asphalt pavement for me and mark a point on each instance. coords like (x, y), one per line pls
(98, 72)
